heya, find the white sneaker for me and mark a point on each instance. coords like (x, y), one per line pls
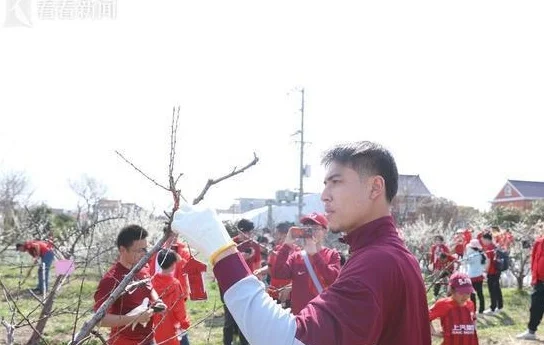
(488, 312)
(526, 335)
(498, 311)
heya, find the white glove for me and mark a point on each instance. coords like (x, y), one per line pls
(138, 310)
(202, 228)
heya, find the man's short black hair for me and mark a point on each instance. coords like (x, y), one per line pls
(262, 239)
(245, 225)
(129, 234)
(166, 258)
(283, 227)
(439, 237)
(487, 236)
(367, 157)
(19, 245)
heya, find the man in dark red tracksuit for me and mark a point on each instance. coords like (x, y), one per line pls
(379, 297)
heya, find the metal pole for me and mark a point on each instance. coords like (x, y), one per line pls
(301, 172)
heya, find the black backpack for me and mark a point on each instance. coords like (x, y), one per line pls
(502, 260)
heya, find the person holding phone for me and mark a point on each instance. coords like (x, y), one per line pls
(311, 269)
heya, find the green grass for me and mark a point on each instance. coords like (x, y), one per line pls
(207, 325)
(60, 326)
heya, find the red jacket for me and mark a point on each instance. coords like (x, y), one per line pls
(179, 273)
(290, 265)
(436, 250)
(167, 324)
(275, 282)
(448, 264)
(128, 301)
(467, 236)
(248, 244)
(537, 261)
(195, 273)
(458, 322)
(490, 252)
(30, 247)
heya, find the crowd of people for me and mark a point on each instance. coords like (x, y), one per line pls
(288, 287)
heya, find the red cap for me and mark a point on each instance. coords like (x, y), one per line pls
(316, 218)
(461, 283)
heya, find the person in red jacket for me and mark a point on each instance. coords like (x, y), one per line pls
(537, 296)
(312, 269)
(493, 275)
(39, 250)
(172, 323)
(456, 313)
(179, 272)
(443, 268)
(250, 249)
(279, 289)
(129, 317)
(459, 244)
(437, 248)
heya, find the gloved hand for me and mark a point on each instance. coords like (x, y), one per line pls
(203, 229)
(142, 308)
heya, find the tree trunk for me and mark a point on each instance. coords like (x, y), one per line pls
(46, 312)
(520, 282)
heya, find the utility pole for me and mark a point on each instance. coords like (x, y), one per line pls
(301, 172)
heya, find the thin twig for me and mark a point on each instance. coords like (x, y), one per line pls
(234, 172)
(211, 323)
(99, 336)
(82, 282)
(140, 171)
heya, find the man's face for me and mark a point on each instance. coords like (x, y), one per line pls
(135, 252)
(279, 237)
(346, 197)
(438, 241)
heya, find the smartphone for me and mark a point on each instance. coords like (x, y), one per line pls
(302, 232)
(157, 308)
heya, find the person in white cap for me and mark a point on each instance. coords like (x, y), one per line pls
(476, 266)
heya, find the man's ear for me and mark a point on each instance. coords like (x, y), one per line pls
(377, 187)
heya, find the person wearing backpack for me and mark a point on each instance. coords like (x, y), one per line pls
(493, 275)
(476, 266)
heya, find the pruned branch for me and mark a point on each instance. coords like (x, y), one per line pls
(234, 172)
(88, 326)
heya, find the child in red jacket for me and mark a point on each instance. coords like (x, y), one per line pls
(456, 313)
(170, 323)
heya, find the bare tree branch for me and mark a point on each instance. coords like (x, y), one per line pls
(234, 172)
(140, 171)
(176, 194)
